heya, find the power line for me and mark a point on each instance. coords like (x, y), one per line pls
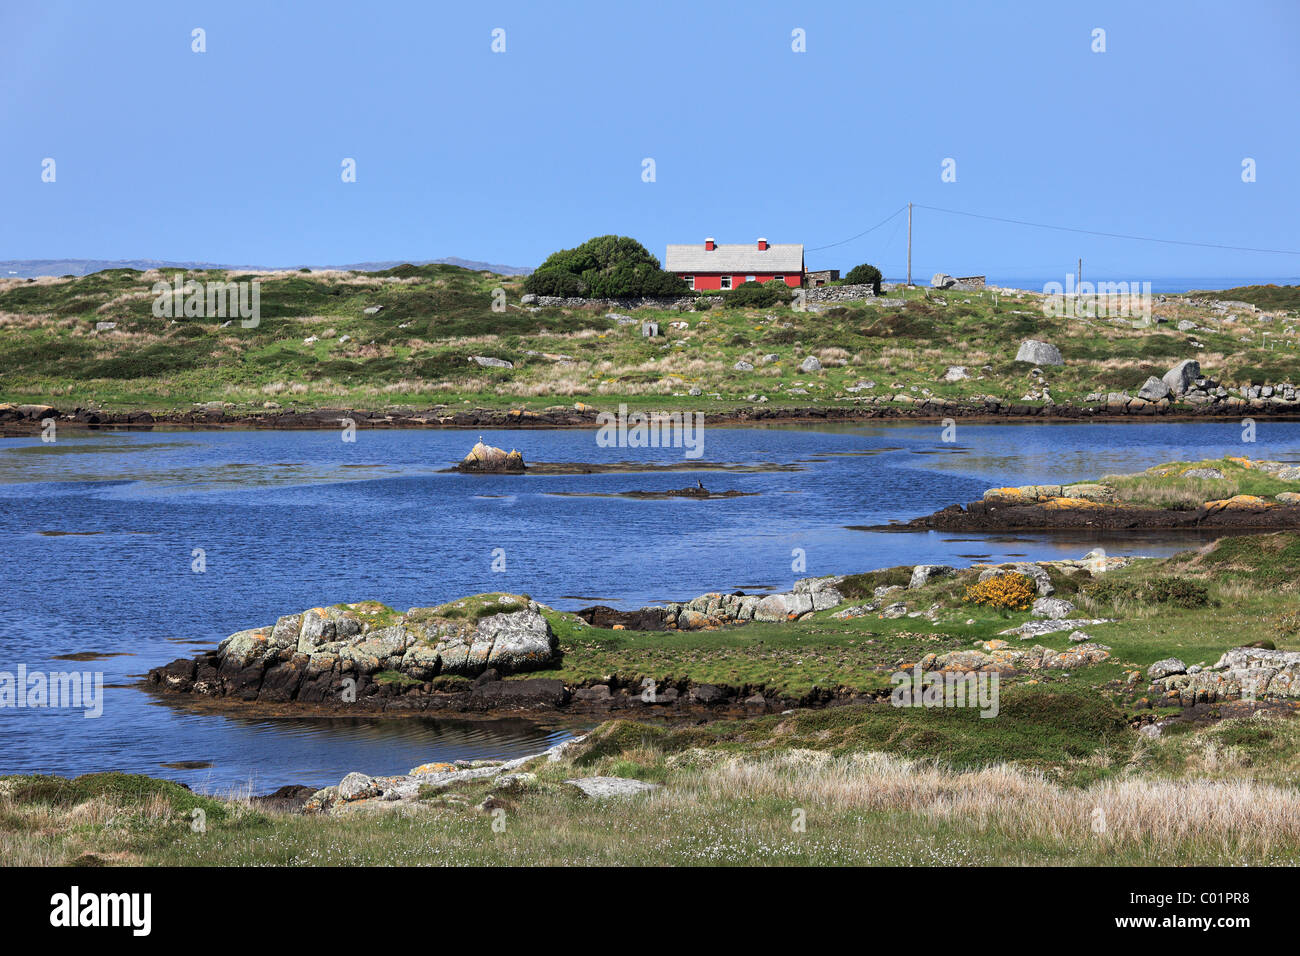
(861, 234)
(1107, 235)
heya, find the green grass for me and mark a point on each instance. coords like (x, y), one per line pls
(1265, 296)
(416, 351)
(1194, 606)
(1169, 486)
(1022, 789)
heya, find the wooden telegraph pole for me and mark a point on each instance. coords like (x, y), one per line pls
(909, 245)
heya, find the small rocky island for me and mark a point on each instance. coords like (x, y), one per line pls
(1218, 495)
(485, 459)
(362, 652)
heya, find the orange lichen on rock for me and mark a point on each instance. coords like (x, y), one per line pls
(433, 768)
(1240, 502)
(1057, 504)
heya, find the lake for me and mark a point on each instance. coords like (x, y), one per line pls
(102, 533)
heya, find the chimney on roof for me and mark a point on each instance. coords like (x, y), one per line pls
(762, 245)
(709, 244)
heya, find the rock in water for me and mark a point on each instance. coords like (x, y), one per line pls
(308, 656)
(485, 459)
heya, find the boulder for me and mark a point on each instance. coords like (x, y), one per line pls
(941, 280)
(1039, 353)
(488, 362)
(357, 786)
(599, 788)
(1182, 376)
(1153, 390)
(955, 373)
(810, 364)
(922, 574)
(1166, 668)
(783, 607)
(1052, 608)
(823, 592)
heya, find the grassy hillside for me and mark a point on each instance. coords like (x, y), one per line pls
(1263, 296)
(316, 346)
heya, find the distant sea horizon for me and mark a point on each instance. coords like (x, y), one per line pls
(1159, 284)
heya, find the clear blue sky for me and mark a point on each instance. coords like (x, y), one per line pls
(234, 155)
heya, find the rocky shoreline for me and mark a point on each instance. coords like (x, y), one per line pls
(1096, 506)
(21, 420)
(455, 658)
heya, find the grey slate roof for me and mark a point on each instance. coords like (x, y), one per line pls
(785, 258)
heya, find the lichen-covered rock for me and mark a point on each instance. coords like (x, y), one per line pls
(923, 574)
(602, 787)
(486, 459)
(307, 656)
(1050, 607)
(356, 786)
(1166, 667)
(1242, 672)
(1039, 353)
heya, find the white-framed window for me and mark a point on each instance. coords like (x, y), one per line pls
(690, 281)
(779, 278)
(750, 278)
(726, 282)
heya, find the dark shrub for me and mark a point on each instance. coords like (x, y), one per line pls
(759, 295)
(556, 282)
(601, 268)
(864, 274)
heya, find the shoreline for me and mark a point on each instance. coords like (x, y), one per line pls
(480, 418)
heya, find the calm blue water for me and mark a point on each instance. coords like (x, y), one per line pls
(98, 530)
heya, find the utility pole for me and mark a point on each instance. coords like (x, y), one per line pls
(1078, 275)
(909, 245)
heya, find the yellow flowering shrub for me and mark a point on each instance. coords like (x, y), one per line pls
(1011, 591)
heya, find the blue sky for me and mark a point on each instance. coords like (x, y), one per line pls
(234, 155)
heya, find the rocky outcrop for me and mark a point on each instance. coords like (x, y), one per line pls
(1249, 673)
(329, 653)
(359, 792)
(485, 459)
(714, 610)
(998, 657)
(923, 574)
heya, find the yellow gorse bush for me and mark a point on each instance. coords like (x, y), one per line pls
(1012, 591)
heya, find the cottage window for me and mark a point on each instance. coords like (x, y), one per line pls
(726, 282)
(780, 278)
(750, 278)
(690, 281)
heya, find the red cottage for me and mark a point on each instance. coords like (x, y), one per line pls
(711, 266)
